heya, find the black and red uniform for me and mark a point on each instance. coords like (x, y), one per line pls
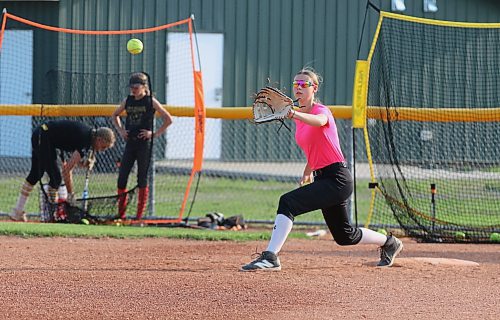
(140, 116)
(65, 135)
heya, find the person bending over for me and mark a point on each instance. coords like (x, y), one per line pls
(65, 135)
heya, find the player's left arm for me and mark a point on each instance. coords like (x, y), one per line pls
(315, 120)
(115, 118)
(165, 115)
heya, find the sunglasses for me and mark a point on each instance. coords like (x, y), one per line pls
(302, 84)
(135, 86)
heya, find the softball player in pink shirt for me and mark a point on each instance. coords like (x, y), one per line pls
(326, 182)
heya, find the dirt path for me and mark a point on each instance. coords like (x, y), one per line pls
(55, 278)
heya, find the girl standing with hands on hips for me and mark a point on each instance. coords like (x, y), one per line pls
(326, 182)
(140, 106)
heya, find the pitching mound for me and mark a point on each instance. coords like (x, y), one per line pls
(414, 261)
(438, 261)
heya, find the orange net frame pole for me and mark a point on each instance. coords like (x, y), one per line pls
(96, 32)
(199, 115)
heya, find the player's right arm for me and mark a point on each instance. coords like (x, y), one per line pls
(115, 118)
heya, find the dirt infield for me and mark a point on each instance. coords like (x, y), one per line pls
(59, 278)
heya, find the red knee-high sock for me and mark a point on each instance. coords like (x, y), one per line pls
(142, 201)
(122, 203)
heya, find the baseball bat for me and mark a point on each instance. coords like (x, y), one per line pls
(85, 194)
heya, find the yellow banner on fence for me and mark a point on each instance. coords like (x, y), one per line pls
(359, 94)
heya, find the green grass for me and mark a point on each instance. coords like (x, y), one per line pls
(98, 231)
(255, 200)
(470, 203)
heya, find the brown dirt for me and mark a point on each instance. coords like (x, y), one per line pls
(60, 278)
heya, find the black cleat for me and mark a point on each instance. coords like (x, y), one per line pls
(266, 261)
(389, 251)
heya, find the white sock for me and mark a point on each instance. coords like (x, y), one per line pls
(282, 227)
(372, 237)
(26, 189)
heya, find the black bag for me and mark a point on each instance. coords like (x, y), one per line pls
(235, 222)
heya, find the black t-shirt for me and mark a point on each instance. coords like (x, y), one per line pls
(140, 115)
(69, 135)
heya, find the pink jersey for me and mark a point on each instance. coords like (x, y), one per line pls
(320, 144)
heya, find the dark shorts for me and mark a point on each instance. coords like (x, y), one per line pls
(330, 193)
(43, 159)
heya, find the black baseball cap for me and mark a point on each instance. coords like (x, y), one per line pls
(137, 80)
